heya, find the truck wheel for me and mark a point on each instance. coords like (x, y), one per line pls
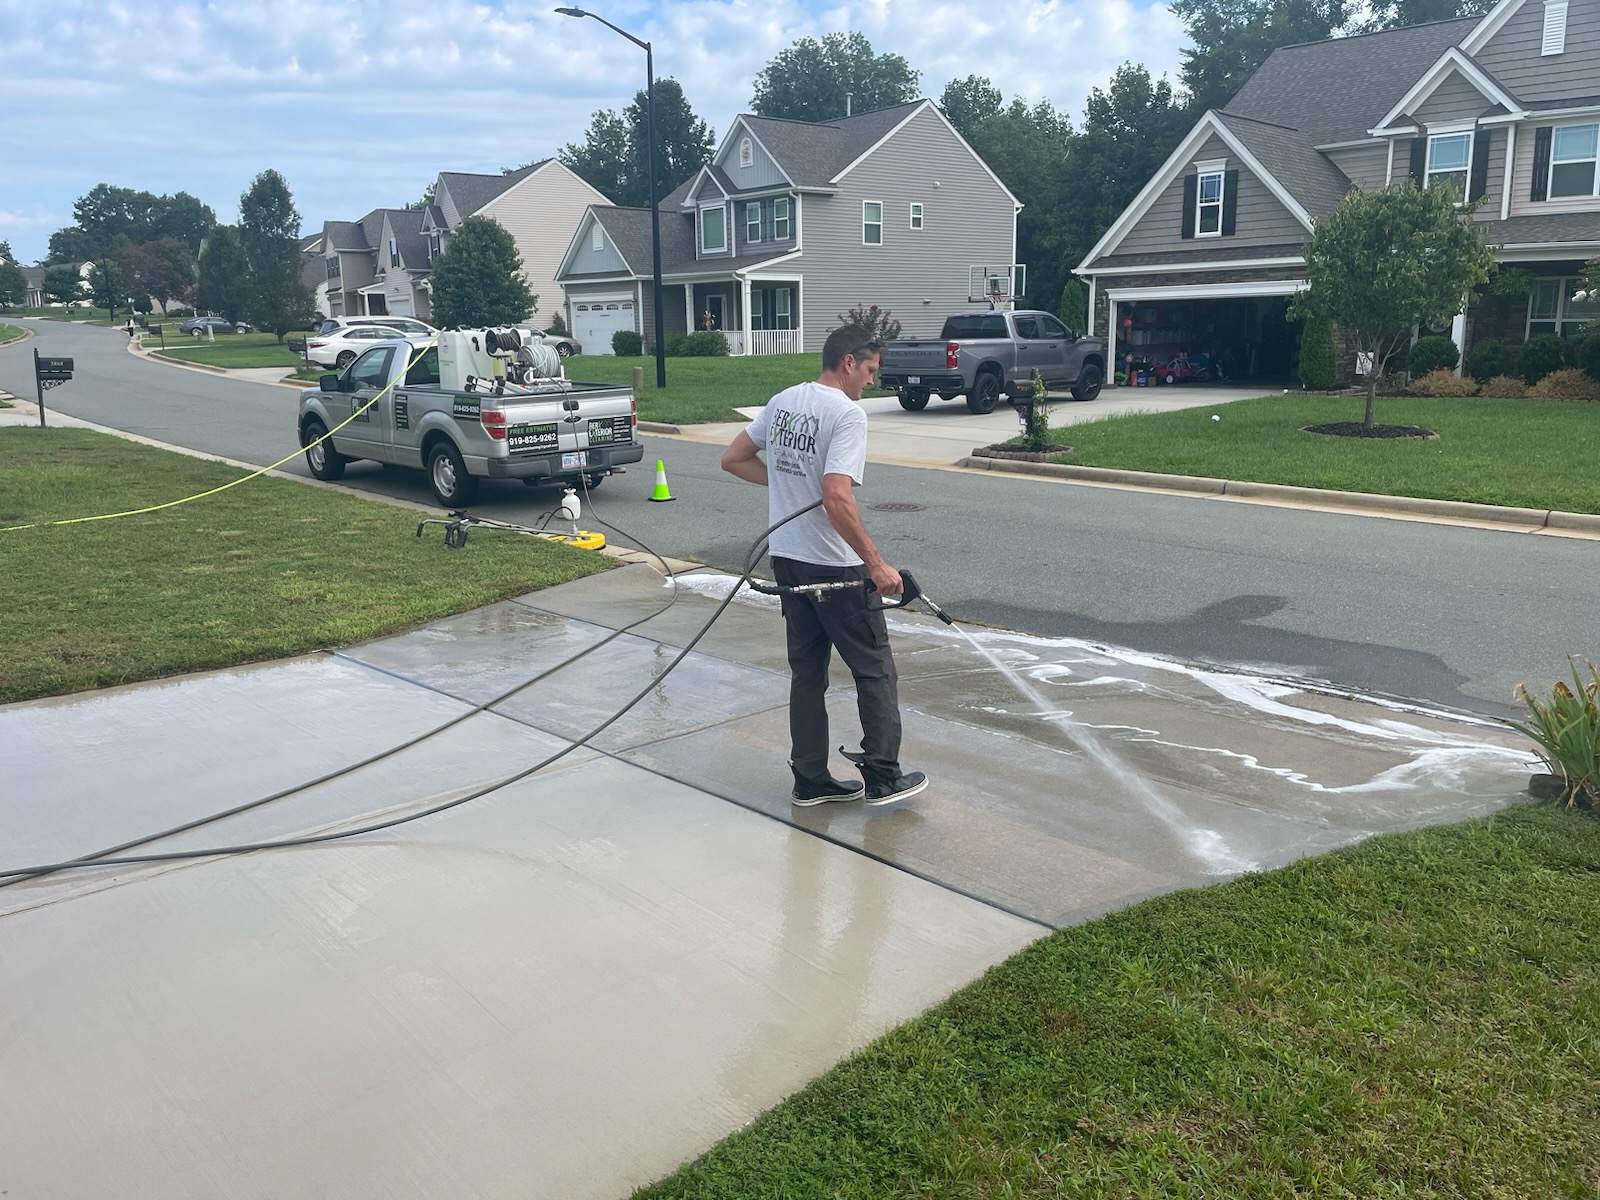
(1089, 381)
(985, 394)
(325, 462)
(913, 400)
(447, 474)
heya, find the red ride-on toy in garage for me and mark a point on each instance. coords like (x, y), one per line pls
(1182, 367)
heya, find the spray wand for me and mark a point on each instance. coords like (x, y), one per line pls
(910, 590)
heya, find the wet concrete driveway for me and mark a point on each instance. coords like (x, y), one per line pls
(582, 979)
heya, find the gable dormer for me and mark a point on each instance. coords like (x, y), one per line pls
(593, 251)
(746, 162)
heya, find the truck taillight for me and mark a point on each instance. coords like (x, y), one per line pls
(633, 405)
(493, 420)
(950, 355)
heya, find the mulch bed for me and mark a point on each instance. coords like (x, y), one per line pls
(1356, 430)
(1001, 450)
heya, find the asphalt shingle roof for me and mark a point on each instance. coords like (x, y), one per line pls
(345, 235)
(1310, 176)
(471, 192)
(629, 230)
(1543, 227)
(1336, 90)
(1210, 252)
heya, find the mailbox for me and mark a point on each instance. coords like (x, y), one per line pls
(58, 369)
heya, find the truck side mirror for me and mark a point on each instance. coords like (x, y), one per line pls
(328, 383)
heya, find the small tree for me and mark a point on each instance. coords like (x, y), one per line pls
(269, 232)
(1074, 307)
(1318, 368)
(1036, 433)
(1383, 262)
(64, 283)
(221, 288)
(13, 284)
(105, 285)
(879, 322)
(478, 279)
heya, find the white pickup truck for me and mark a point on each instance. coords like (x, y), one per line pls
(456, 415)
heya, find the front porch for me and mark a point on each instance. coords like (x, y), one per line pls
(757, 316)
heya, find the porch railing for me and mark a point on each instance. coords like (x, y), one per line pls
(774, 341)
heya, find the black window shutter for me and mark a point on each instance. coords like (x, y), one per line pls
(1541, 164)
(1419, 160)
(1230, 202)
(1190, 183)
(1479, 182)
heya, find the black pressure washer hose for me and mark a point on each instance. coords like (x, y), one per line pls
(112, 857)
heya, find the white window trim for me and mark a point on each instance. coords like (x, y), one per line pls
(1219, 168)
(749, 204)
(394, 252)
(915, 215)
(722, 249)
(865, 222)
(1553, 40)
(787, 219)
(1549, 182)
(1565, 287)
(597, 238)
(1452, 129)
(747, 156)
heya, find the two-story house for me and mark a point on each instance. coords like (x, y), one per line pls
(381, 263)
(790, 225)
(1504, 107)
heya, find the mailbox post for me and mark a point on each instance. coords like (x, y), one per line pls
(49, 373)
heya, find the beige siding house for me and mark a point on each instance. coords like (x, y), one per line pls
(1206, 258)
(790, 225)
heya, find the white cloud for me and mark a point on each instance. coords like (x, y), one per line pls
(360, 105)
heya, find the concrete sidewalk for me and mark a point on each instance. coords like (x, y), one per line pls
(581, 980)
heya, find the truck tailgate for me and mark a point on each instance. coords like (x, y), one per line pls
(913, 355)
(584, 416)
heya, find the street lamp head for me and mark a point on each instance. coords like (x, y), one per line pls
(572, 12)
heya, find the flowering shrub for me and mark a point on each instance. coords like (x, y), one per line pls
(879, 322)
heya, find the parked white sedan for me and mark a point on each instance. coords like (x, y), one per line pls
(343, 346)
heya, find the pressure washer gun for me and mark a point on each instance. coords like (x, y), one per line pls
(910, 590)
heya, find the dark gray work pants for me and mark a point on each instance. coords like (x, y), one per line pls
(847, 622)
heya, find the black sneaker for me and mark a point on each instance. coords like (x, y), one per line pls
(819, 791)
(886, 789)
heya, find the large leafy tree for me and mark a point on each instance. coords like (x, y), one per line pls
(968, 103)
(478, 279)
(809, 80)
(269, 234)
(162, 270)
(614, 154)
(13, 284)
(222, 286)
(1232, 38)
(109, 219)
(1387, 261)
(1128, 130)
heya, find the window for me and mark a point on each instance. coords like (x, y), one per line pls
(333, 267)
(713, 231)
(780, 220)
(435, 245)
(1572, 160)
(1449, 157)
(1027, 327)
(747, 154)
(785, 320)
(971, 326)
(425, 370)
(752, 221)
(371, 370)
(1551, 309)
(916, 216)
(872, 222)
(1052, 328)
(1208, 205)
(597, 238)
(394, 252)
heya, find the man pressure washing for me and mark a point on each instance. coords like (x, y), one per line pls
(814, 436)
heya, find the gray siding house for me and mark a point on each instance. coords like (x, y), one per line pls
(1504, 107)
(790, 225)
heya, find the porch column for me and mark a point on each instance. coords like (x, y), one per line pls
(1090, 330)
(744, 314)
(688, 308)
(1111, 340)
(1458, 335)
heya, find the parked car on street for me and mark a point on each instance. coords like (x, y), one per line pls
(562, 343)
(197, 326)
(343, 346)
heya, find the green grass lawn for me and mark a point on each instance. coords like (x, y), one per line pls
(1523, 453)
(701, 390)
(267, 569)
(232, 350)
(9, 333)
(1415, 1016)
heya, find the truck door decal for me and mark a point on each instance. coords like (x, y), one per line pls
(402, 412)
(464, 408)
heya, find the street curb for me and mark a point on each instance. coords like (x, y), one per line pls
(22, 336)
(178, 362)
(657, 427)
(1491, 514)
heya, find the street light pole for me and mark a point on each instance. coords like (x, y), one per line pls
(655, 198)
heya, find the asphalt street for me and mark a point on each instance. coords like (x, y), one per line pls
(1435, 613)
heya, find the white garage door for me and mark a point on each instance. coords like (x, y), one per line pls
(595, 319)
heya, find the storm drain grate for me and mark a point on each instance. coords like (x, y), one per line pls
(896, 506)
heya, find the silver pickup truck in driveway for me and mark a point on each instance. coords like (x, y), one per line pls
(981, 355)
(480, 427)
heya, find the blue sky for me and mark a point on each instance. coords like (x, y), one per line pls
(361, 104)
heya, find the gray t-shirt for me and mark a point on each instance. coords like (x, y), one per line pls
(808, 431)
